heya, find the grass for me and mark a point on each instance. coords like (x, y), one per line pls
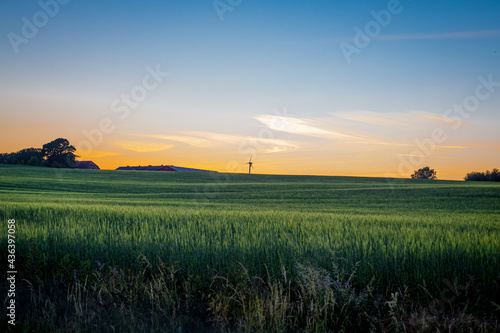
(229, 252)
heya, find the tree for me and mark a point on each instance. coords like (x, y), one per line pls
(59, 153)
(6, 158)
(28, 156)
(492, 176)
(424, 173)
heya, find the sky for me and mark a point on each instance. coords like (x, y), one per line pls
(351, 88)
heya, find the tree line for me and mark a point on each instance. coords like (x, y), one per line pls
(56, 154)
(60, 154)
(492, 176)
(428, 173)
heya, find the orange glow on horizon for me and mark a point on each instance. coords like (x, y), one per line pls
(295, 147)
(444, 172)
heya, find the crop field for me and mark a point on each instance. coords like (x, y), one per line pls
(168, 251)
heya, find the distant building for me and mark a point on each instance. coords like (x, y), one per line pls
(86, 165)
(161, 168)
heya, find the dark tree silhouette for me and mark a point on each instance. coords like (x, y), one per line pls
(492, 176)
(59, 153)
(424, 173)
(28, 156)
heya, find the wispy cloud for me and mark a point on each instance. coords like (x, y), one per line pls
(447, 120)
(142, 147)
(213, 140)
(268, 145)
(413, 119)
(190, 140)
(301, 126)
(96, 154)
(396, 143)
(444, 35)
(396, 130)
(430, 36)
(377, 118)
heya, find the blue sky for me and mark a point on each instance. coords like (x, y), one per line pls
(265, 59)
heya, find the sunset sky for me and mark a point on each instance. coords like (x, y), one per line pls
(365, 88)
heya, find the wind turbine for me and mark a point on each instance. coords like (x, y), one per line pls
(250, 166)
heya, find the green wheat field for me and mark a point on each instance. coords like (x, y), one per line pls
(131, 251)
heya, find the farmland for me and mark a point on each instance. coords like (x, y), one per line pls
(227, 252)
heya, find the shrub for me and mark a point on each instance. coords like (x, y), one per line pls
(424, 173)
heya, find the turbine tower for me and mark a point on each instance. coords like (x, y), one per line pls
(250, 166)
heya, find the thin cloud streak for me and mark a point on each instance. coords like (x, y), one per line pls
(384, 143)
(267, 145)
(411, 119)
(211, 140)
(341, 128)
(442, 35)
(96, 154)
(190, 140)
(415, 120)
(377, 118)
(419, 155)
(300, 126)
(142, 147)
(448, 120)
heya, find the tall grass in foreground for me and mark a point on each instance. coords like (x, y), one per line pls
(113, 251)
(161, 299)
(396, 250)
